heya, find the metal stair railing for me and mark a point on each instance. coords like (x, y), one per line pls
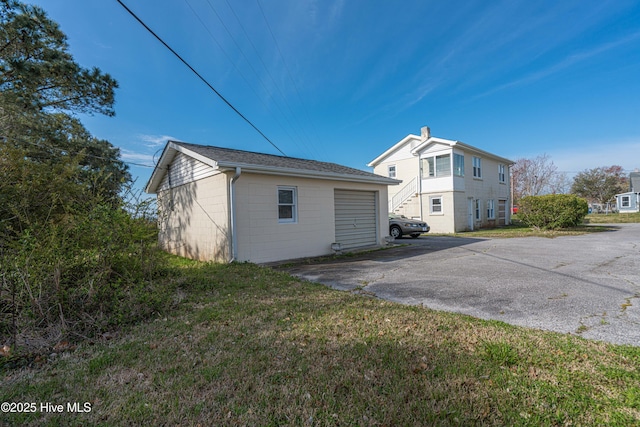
(406, 192)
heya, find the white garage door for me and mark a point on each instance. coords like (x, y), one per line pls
(355, 218)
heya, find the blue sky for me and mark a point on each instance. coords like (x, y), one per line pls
(342, 81)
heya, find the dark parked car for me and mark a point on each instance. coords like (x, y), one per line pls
(400, 225)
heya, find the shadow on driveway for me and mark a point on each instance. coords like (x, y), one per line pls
(587, 285)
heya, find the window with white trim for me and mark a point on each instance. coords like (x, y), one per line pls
(477, 167)
(502, 176)
(458, 164)
(435, 205)
(391, 171)
(491, 209)
(436, 166)
(478, 209)
(287, 204)
(626, 201)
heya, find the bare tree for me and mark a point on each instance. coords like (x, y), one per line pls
(533, 177)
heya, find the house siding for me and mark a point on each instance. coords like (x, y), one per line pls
(183, 170)
(193, 219)
(634, 202)
(439, 223)
(406, 170)
(461, 213)
(261, 238)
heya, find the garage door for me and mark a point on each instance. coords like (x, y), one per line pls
(355, 218)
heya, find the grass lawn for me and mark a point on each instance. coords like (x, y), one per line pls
(518, 229)
(613, 218)
(246, 345)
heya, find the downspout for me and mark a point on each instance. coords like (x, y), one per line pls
(232, 212)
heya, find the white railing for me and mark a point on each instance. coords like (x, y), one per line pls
(409, 190)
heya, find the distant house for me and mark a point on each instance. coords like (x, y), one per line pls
(451, 185)
(222, 204)
(630, 201)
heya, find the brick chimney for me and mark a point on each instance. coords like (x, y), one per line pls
(425, 133)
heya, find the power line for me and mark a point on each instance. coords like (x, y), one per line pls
(63, 151)
(199, 76)
(301, 137)
(240, 73)
(295, 86)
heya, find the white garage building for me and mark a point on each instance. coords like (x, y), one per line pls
(222, 204)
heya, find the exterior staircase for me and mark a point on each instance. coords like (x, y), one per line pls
(405, 201)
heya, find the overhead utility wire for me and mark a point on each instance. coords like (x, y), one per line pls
(240, 73)
(199, 76)
(301, 137)
(295, 86)
(63, 151)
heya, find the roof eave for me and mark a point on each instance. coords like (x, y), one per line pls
(462, 145)
(375, 162)
(272, 170)
(415, 150)
(167, 156)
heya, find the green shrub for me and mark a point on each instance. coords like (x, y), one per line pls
(552, 211)
(89, 273)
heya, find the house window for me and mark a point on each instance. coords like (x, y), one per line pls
(491, 209)
(436, 166)
(478, 209)
(391, 169)
(502, 177)
(477, 167)
(435, 205)
(287, 204)
(626, 201)
(458, 164)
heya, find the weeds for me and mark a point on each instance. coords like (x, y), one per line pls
(250, 346)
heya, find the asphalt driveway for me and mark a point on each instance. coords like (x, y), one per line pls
(587, 285)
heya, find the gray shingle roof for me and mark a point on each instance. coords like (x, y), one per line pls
(240, 157)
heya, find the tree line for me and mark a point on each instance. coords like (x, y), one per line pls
(77, 252)
(540, 176)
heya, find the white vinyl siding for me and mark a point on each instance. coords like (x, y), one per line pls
(355, 218)
(183, 170)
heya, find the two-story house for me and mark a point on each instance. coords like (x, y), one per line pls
(451, 185)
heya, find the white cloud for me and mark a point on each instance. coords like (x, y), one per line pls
(567, 62)
(154, 141)
(131, 156)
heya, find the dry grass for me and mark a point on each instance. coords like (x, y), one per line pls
(613, 218)
(250, 346)
(518, 229)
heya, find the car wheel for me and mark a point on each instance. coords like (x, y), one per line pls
(415, 236)
(395, 231)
